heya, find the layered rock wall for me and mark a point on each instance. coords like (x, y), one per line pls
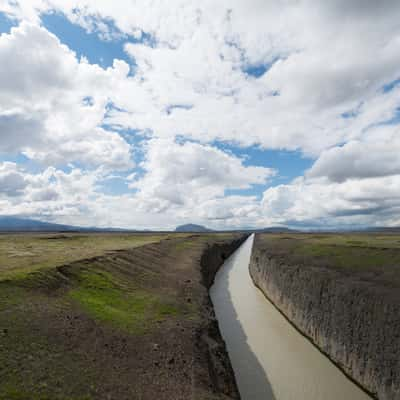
(355, 321)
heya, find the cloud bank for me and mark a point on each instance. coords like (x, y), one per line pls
(320, 79)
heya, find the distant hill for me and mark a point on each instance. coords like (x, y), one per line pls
(17, 224)
(200, 228)
(277, 229)
(192, 228)
(383, 229)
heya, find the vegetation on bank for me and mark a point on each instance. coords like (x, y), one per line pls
(130, 308)
(81, 314)
(23, 253)
(349, 251)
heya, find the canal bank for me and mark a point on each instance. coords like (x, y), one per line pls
(343, 293)
(271, 360)
(135, 323)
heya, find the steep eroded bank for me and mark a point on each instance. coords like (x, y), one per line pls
(351, 314)
(130, 324)
(210, 339)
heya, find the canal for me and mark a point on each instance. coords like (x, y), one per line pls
(271, 359)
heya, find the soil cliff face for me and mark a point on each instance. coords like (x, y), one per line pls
(135, 323)
(215, 255)
(209, 337)
(353, 318)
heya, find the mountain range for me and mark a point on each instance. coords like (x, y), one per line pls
(192, 228)
(18, 224)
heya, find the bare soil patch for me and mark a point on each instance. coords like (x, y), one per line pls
(129, 324)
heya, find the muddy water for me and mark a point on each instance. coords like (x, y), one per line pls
(271, 360)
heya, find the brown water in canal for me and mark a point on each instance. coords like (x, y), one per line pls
(271, 360)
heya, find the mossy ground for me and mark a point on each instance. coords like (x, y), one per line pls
(23, 253)
(34, 364)
(31, 361)
(76, 328)
(131, 308)
(346, 251)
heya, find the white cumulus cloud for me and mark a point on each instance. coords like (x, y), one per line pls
(326, 87)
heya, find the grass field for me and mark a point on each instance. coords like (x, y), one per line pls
(346, 251)
(24, 253)
(99, 316)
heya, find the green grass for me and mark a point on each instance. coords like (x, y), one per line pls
(129, 308)
(23, 253)
(10, 295)
(362, 240)
(338, 250)
(47, 313)
(347, 256)
(184, 245)
(32, 364)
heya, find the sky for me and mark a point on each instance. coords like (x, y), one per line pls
(230, 114)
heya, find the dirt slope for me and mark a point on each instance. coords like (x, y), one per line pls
(132, 324)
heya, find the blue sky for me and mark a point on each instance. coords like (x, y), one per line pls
(84, 43)
(224, 116)
(6, 23)
(288, 164)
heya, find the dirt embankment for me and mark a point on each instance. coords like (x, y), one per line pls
(352, 316)
(210, 338)
(131, 324)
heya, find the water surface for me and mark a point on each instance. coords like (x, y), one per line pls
(271, 360)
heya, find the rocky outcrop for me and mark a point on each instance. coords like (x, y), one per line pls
(215, 255)
(353, 318)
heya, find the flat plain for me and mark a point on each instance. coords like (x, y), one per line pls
(368, 254)
(26, 252)
(118, 316)
(103, 316)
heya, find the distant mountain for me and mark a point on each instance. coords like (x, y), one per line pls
(277, 229)
(383, 229)
(200, 228)
(23, 224)
(17, 224)
(192, 228)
